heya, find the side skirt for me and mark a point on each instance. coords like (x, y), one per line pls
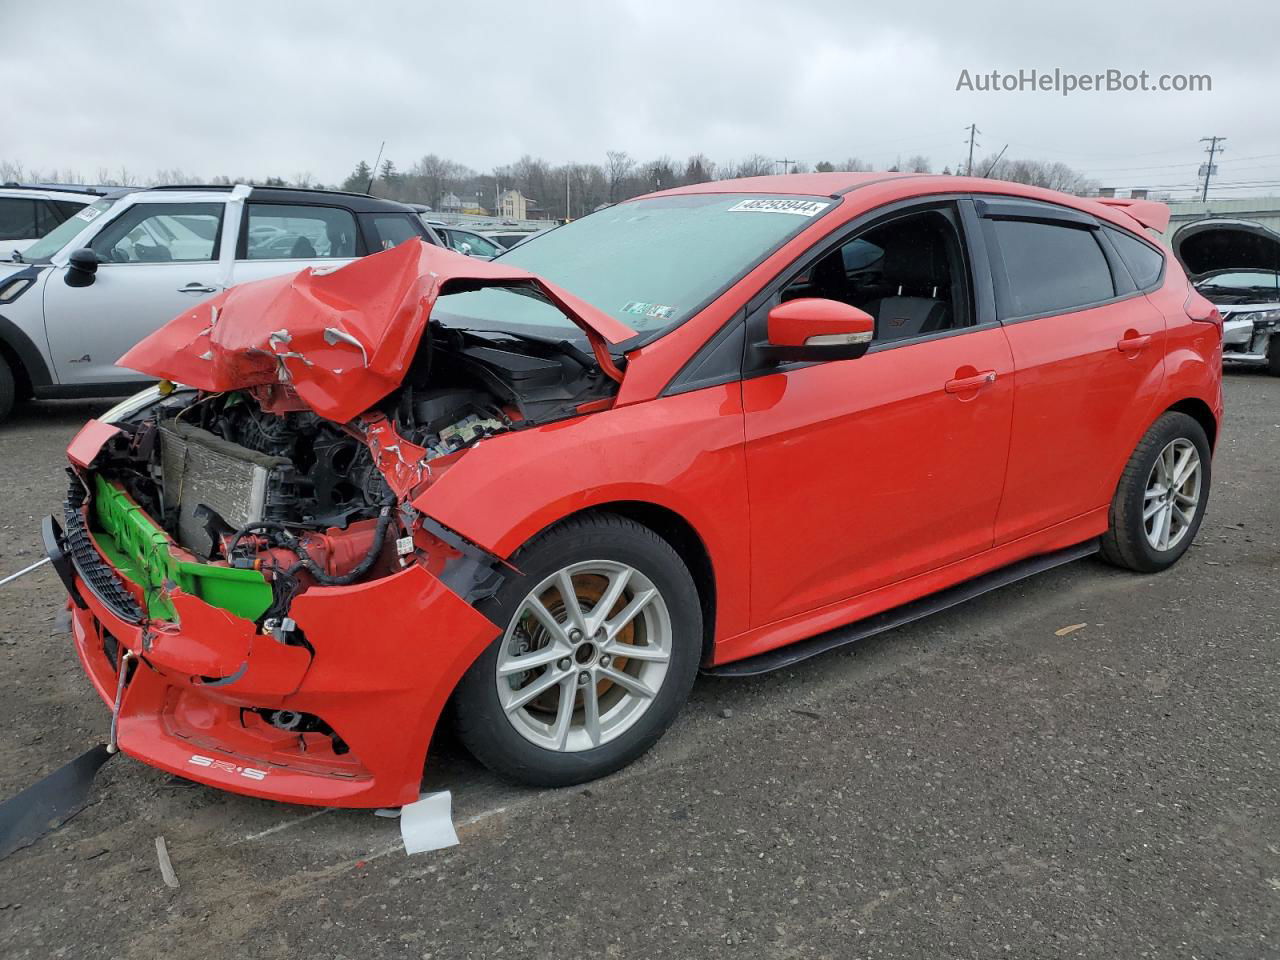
(793, 653)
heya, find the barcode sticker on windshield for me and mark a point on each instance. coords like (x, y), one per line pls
(801, 208)
(88, 213)
(641, 308)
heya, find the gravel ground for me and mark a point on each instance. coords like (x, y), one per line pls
(970, 786)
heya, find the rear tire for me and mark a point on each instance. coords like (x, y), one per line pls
(8, 390)
(568, 695)
(1161, 498)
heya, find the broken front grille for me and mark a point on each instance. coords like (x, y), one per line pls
(96, 573)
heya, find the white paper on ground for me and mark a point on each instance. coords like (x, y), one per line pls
(428, 824)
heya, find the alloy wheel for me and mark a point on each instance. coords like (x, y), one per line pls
(1172, 494)
(584, 656)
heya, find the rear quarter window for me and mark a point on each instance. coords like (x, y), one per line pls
(1049, 268)
(1144, 262)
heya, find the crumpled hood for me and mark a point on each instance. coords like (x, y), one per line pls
(1206, 246)
(343, 339)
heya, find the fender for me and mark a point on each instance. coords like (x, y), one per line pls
(684, 453)
(24, 348)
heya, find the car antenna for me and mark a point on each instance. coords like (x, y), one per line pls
(369, 189)
(992, 165)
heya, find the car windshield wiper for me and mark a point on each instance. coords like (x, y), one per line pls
(16, 257)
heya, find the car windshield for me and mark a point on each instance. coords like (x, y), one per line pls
(59, 236)
(650, 263)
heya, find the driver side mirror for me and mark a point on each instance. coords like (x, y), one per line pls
(82, 267)
(815, 329)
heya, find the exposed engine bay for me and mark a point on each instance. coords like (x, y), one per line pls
(252, 480)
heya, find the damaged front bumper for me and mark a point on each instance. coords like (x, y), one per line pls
(1247, 336)
(335, 706)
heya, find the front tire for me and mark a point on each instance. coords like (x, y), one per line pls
(1273, 355)
(602, 635)
(1161, 498)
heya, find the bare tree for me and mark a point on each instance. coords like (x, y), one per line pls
(854, 165)
(172, 177)
(1051, 174)
(756, 165)
(698, 169)
(919, 164)
(618, 166)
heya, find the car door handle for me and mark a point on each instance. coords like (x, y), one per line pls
(196, 287)
(966, 384)
(1130, 344)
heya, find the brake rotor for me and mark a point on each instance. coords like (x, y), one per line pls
(589, 591)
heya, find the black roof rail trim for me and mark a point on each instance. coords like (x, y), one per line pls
(321, 191)
(97, 190)
(359, 202)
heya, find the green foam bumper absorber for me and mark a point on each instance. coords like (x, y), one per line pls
(141, 551)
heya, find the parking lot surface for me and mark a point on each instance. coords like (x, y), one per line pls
(973, 785)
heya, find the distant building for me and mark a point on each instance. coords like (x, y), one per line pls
(1261, 210)
(451, 203)
(513, 205)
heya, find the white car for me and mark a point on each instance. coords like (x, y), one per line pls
(1235, 264)
(509, 238)
(27, 213)
(74, 301)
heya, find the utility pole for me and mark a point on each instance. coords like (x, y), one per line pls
(567, 215)
(973, 132)
(1208, 168)
(785, 163)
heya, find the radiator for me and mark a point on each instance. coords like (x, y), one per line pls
(202, 470)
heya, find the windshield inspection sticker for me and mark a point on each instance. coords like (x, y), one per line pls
(801, 208)
(639, 308)
(87, 214)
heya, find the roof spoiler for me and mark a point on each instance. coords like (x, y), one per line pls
(1149, 213)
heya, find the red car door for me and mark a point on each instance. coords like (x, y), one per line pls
(1089, 354)
(864, 472)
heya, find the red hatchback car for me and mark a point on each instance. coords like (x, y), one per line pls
(726, 426)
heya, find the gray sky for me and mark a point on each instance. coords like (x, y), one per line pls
(267, 88)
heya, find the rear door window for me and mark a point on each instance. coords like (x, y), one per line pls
(1049, 267)
(286, 231)
(1145, 263)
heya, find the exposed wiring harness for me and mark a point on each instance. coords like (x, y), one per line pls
(289, 540)
(359, 570)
